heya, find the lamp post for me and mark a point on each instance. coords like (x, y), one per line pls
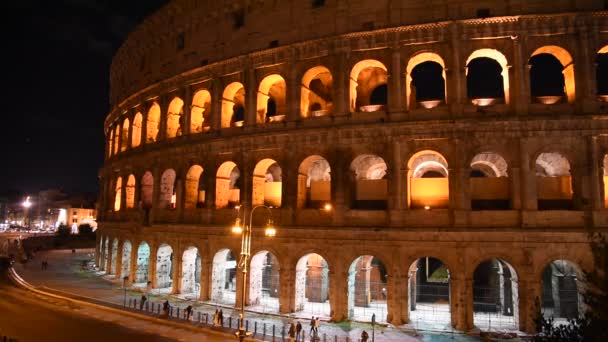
(244, 229)
(124, 286)
(26, 206)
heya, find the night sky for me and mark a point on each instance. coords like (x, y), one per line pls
(57, 56)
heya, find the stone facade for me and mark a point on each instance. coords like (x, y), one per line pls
(398, 174)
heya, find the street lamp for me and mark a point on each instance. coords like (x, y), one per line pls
(244, 229)
(26, 206)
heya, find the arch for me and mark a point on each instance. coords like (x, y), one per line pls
(429, 294)
(367, 289)
(167, 197)
(316, 92)
(365, 77)
(314, 182)
(428, 180)
(267, 184)
(200, 112)
(488, 181)
(223, 289)
(194, 191)
(114, 252)
(312, 286)
(143, 262)
(264, 283)
(227, 185)
(153, 123)
(554, 183)
(125, 270)
(175, 118)
(164, 268)
(116, 139)
(191, 273)
(562, 291)
(233, 105)
(147, 187)
(136, 130)
(565, 59)
(479, 89)
(271, 105)
(118, 194)
(124, 139)
(130, 192)
(495, 296)
(371, 185)
(429, 92)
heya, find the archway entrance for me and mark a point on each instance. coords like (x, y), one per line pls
(495, 296)
(191, 273)
(562, 296)
(126, 259)
(164, 269)
(312, 286)
(143, 262)
(264, 282)
(429, 294)
(367, 289)
(223, 289)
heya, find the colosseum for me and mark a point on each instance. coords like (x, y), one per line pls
(437, 164)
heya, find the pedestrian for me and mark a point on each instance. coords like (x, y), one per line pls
(188, 312)
(292, 332)
(143, 300)
(317, 326)
(312, 325)
(166, 308)
(298, 330)
(364, 336)
(221, 317)
(216, 318)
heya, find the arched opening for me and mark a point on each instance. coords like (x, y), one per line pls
(227, 186)
(153, 123)
(267, 185)
(136, 131)
(312, 286)
(200, 112)
(271, 99)
(314, 183)
(191, 273)
(367, 289)
(487, 77)
(562, 297)
(116, 139)
(195, 190)
(233, 105)
(551, 75)
(425, 81)
(371, 186)
(368, 77)
(601, 74)
(428, 181)
(554, 184)
(489, 182)
(264, 282)
(126, 259)
(495, 296)
(164, 269)
(143, 263)
(125, 135)
(147, 186)
(223, 289)
(114, 256)
(167, 198)
(175, 118)
(316, 98)
(429, 294)
(130, 192)
(118, 194)
(605, 180)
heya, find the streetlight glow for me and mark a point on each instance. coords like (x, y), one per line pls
(26, 204)
(237, 229)
(327, 207)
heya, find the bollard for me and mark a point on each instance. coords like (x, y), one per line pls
(177, 312)
(335, 338)
(146, 306)
(264, 331)
(247, 325)
(283, 332)
(206, 318)
(199, 316)
(230, 322)
(273, 331)
(255, 327)
(170, 311)
(324, 337)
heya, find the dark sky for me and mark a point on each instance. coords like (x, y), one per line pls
(56, 59)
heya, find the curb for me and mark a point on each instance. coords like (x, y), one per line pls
(20, 282)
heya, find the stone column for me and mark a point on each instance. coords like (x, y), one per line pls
(528, 180)
(206, 272)
(179, 195)
(515, 187)
(152, 265)
(397, 301)
(338, 295)
(287, 290)
(102, 257)
(187, 109)
(396, 95)
(247, 181)
(239, 287)
(457, 86)
(397, 179)
(530, 291)
(216, 105)
(461, 302)
(123, 193)
(520, 81)
(251, 91)
(133, 262)
(597, 176)
(293, 91)
(341, 86)
(119, 259)
(162, 129)
(156, 174)
(98, 240)
(109, 257)
(144, 129)
(177, 270)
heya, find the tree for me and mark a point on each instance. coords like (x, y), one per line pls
(592, 325)
(63, 231)
(85, 230)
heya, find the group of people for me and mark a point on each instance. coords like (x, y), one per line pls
(45, 264)
(296, 333)
(218, 318)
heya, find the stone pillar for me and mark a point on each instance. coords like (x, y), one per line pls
(461, 302)
(247, 182)
(216, 105)
(102, 256)
(597, 176)
(156, 173)
(177, 270)
(396, 96)
(338, 295)
(179, 194)
(397, 301)
(130, 132)
(206, 272)
(251, 91)
(530, 291)
(109, 256)
(515, 185)
(239, 287)
(293, 91)
(133, 262)
(123, 192)
(397, 179)
(98, 240)
(162, 129)
(528, 180)
(457, 86)
(186, 111)
(341, 86)
(520, 81)
(152, 265)
(119, 259)
(144, 129)
(287, 291)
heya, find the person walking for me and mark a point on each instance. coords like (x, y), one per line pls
(317, 326)
(188, 312)
(216, 318)
(312, 326)
(141, 303)
(298, 330)
(292, 332)
(364, 336)
(221, 317)
(166, 308)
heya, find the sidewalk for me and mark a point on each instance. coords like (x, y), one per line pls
(65, 275)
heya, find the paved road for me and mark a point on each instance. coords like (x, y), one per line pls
(29, 317)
